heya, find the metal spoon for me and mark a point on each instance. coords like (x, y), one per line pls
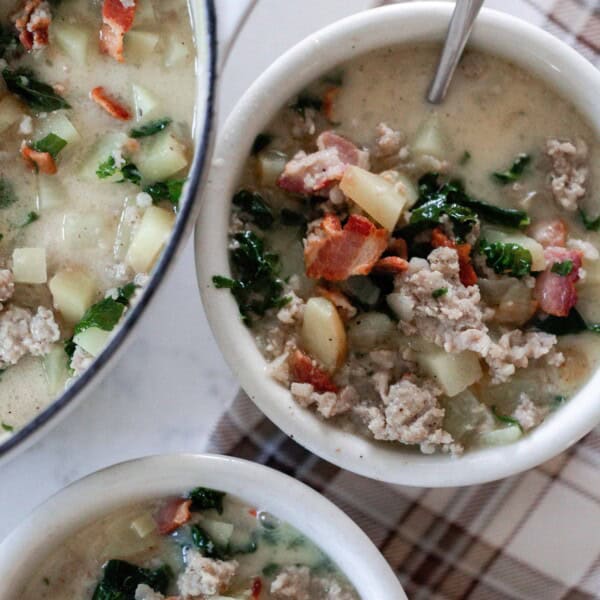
(459, 31)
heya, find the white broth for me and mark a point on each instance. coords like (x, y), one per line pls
(100, 221)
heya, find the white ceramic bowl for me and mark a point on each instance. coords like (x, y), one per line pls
(109, 489)
(494, 32)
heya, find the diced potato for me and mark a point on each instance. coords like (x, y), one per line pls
(139, 44)
(378, 197)
(51, 193)
(404, 184)
(73, 40)
(11, 111)
(93, 340)
(151, 236)
(466, 416)
(55, 368)
(453, 372)
(73, 292)
(511, 298)
(370, 331)
(162, 157)
(219, 531)
(29, 265)
(145, 102)
(430, 139)
(100, 151)
(59, 124)
(144, 525)
(538, 262)
(80, 230)
(323, 333)
(177, 51)
(500, 437)
(270, 166)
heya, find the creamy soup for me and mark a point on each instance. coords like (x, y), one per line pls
(205, 545)
(96, 110)
(425, 275)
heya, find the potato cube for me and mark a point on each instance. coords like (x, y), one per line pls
(93, 340)
(323, 333)
(149, 239)
(73, 292)
(380, 198)
(145, 102)
(29, 265)
(162, 157)
(51, 193)
(58, 124)
(139, 44)
(73, 40)
(11, 111)
(429, 139)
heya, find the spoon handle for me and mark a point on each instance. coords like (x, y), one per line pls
(459, 30)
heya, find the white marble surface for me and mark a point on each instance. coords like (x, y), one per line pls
(171, 385)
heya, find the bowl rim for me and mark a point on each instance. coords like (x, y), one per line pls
(494, 32)
(125, 483)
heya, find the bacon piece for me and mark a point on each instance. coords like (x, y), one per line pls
(172, 515)
(335, 254)
(256, 588)
(391, 264)
(117, 18)
(467, 274)
(339, 300)
(556, 293)
(32, 23)
(42, 161)
(549, 233)
(304, 370)
(317, 172)
(110, 105)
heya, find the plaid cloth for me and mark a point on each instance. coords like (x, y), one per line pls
(532, 536)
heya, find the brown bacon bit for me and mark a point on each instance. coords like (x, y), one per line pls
(252, 512)
(468, 276)
(110, 105)
(256, 588)
(329, 101)
(549, 233)
(172, 515)
(304, 370)
(335, 254)
(556, 293)
(32, 23)
(339, 300)
(41, 161)
(398, 247)
(391, 264)
(117, 21)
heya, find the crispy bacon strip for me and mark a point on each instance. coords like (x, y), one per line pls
(391, 264)
(549, 233)
(468, 276)
(556, 293)
(32, 23)
(42, 161)
(398, 247)
(172, 515)
(117, 18)
(335, 254)
(109, 104)
(304, 370)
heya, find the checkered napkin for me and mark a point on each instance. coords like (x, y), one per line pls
(532, 536)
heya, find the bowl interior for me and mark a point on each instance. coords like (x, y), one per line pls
(495, 33)
(120, 485)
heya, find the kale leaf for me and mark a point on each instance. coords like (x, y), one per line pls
(131, 173)
(106, 313)
(205, 544)
(254, 206)
(258, 286)
(7, 193)
(506, 258)
(562, 268)
(37, 95)
(169, 190)
(439, 292)
(514, 172)
(151, 128)
(571, 324)
(52, 144)
(205, 498)
(107, 169)
(588, 223)
(9, 43)
(261, 141)
(506, 418)
(121, 578)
